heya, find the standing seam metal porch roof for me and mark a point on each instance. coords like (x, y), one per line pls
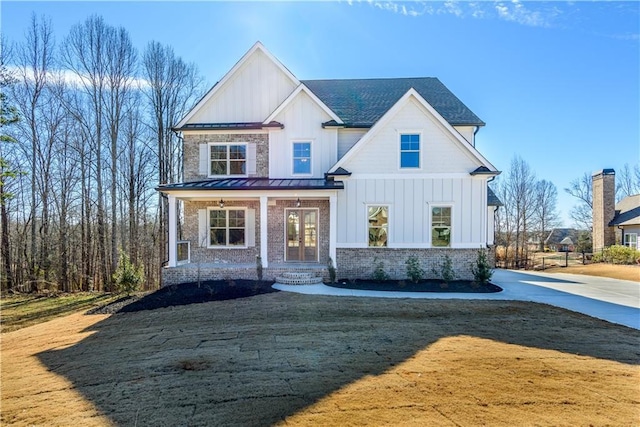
(234, 184)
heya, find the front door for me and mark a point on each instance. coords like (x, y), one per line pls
(302, 235)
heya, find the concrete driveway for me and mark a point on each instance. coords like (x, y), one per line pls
(616, 301)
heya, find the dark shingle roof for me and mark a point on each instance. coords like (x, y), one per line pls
(492, 199)
(255, 184)
(361, 102)
(557, 235)
(627, 211)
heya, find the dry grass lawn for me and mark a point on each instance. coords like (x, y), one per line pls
(291, 359)
(623, 272)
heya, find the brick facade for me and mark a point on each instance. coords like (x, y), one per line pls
(361, 263)
(191, 150)
(604, 193)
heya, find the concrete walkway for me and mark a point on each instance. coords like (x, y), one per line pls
(616, 301)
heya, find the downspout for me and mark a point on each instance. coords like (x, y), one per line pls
(494, 209)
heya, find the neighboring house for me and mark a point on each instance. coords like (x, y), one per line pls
(613, 222)
(562, 239)
(298, 172)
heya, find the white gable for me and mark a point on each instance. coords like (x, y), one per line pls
(442, 148)
(250, 92)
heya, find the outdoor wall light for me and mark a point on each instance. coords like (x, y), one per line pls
(298, 203)
(221, 203)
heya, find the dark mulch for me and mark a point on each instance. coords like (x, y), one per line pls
(188, 293)
(464, 286)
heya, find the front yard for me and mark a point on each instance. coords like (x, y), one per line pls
(291, 359)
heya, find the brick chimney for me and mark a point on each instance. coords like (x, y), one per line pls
(604, 208)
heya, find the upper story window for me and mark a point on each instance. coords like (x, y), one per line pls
(410, 150)
(378, 228)
(441, 226)
(302, 158)
(228, 159)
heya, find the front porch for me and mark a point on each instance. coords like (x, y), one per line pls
(225, 231)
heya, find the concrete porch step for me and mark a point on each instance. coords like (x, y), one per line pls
(296, 278)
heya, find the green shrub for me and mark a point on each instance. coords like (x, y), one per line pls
(332, 271)
(128, 277)
(446, 273)
(481, 269)
(618, 254)
(379, 275)
(415, 273)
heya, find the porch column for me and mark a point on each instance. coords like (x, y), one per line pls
(173, 232)
(333, 228)
(264, 221)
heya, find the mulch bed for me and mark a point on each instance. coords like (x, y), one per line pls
(463, 286)
(188, 293)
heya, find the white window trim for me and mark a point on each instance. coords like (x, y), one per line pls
(366, 216)
(420, 153)
(318, 231)
(430, 229)
(229, 208)
(228, 144)
(310, 141)
(629, 243)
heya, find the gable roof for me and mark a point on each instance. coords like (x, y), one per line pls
(302, 88)
(412, 93)
(627, 211)
(362, 102)
(557, 235)
(216, 87)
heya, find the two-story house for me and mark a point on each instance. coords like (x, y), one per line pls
(297, 172)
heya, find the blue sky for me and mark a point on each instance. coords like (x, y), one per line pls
(556, 82)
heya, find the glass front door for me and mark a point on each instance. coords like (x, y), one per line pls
(302, 235)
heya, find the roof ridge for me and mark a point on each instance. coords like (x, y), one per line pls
(370, 78)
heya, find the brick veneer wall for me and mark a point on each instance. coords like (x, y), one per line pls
(191, 273)
(222, 256)
(604, 191)
(359, 263)
(191, 147)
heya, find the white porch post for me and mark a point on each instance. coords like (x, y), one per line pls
(173, 232)
(264, 221)
(333, 228)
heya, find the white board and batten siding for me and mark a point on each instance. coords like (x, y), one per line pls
(443, 179)
(302, 120)
(250, 95)
(410, 201)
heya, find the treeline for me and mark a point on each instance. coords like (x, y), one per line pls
(86, 137)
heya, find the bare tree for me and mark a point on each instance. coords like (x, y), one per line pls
(172, 87)
(582, 212)
(628, 181)
(545, 214)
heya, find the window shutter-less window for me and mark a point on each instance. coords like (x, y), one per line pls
(204, 159)
(251, 227)
(251, 158)
(203, 228)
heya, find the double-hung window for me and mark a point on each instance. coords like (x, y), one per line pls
(631, 240)
(227, 227)
(441, 226)
(302, 158)
(228, 159)
(409, 151)
(378, 217)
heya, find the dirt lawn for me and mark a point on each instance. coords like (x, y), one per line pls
(622, 272)
(289, 359)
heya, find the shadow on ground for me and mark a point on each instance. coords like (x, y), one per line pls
(258, 360)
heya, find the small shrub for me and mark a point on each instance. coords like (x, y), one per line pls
(379, 274)
(259, 267)
(446, 273)
(332, 271)
(128, 277)
(481, 269)
(618, 254)
(415, 273)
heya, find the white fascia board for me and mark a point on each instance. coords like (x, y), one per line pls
(392, 112)
(230, 74)
(301, 87)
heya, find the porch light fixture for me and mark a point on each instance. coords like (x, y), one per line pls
(221, 203)
(298, 203)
